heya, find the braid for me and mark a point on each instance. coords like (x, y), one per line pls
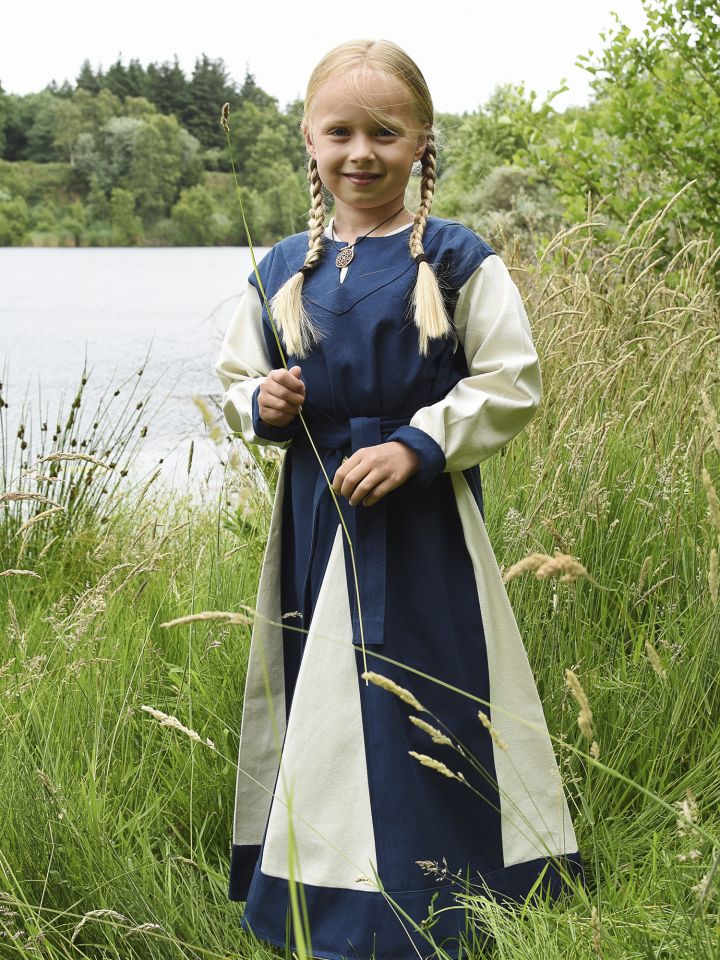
(316, 220)
(429, 307)
(288, 310)
(427, 192)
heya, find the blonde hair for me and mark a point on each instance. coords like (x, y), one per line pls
(357, 60)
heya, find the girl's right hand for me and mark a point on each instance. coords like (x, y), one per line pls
(281, 396)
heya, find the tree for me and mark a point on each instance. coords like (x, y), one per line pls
(87, 79)
(168, 88)
(159, 166)
(654, 123)
(126, 227)
(193, 216)
(210, 87)
(14, 220)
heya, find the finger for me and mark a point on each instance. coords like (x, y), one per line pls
(381, 490)
(288, 380)
(284, 392)
(364, 487)
(278, 406)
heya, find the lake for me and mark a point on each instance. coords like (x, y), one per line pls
(116, 307)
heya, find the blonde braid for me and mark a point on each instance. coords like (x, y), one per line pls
(288, 310)
(431, 317)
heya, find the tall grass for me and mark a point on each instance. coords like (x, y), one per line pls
(116, 830)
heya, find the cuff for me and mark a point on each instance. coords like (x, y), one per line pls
(430, 453)
(266, 430)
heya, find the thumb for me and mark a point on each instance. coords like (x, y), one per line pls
(296, 371)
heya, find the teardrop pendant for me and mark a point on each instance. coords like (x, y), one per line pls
(344, 258)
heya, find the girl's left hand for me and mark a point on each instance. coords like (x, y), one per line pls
(371, 472)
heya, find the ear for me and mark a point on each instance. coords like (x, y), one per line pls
(309, 146)
(422, 143)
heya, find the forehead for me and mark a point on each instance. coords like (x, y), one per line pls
(360, 96)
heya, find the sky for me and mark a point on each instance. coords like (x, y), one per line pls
(463, 48)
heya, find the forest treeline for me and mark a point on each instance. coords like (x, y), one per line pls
(136, 154)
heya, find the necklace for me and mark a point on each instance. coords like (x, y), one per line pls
(345, 257)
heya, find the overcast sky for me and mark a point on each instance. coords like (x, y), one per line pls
(464, 48)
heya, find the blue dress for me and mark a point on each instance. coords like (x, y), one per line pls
(325, 757)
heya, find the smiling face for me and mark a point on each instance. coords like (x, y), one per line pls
(364, 145)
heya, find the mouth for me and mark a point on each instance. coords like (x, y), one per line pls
(362, 179)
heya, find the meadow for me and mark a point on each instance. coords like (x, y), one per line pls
(116, 819)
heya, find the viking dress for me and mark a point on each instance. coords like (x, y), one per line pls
(325, 757)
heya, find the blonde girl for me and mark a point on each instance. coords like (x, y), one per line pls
(408, 352)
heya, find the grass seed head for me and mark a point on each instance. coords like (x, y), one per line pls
(435, 765)
(713, 502)
(166, 720)
(714, 577)
(387, 684)
(496, 738)
(436, 735)
(584, 719)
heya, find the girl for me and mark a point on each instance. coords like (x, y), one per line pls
(411, 358)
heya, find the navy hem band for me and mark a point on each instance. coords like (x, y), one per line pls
(354, 924)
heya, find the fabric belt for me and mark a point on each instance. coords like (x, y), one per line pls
(367, 526)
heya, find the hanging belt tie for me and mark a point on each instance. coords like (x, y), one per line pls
(367, 526)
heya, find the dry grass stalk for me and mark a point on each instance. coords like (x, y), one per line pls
(143, 928)
(654, 659)
(644, 570)
(496, 738)
(96, 913)
(436, 735)
(595, 750)
(230, 617)
(714, 577)
(584, 720)
(21, 495)
(147, 486)
(20, 573)
(596, 932)
(224, 114)
(688, 812)
(173, 723)
(37, 518)
(711, 419)
(387, 684)
(713, 502)
(84, 457)
(532, 562)
(704, 889)
(562, 563)
(546, 566)
(436, 765)
(692, 856)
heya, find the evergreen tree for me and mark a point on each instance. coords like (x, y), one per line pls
(87, 79)
(168, 88)
(210, 87)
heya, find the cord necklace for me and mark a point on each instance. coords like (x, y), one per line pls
(345, 257)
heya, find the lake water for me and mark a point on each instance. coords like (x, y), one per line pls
(116, 307)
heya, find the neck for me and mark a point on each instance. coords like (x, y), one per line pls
(352, 222)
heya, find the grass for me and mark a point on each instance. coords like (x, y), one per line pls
(116, 830)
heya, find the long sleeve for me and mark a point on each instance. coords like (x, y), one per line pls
(502, 391)
(242, 366)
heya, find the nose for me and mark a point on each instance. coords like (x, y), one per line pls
(362, 148)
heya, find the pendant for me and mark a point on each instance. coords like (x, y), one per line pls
(344, 258)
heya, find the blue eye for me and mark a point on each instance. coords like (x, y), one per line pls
(386, 132)
(339, 132)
